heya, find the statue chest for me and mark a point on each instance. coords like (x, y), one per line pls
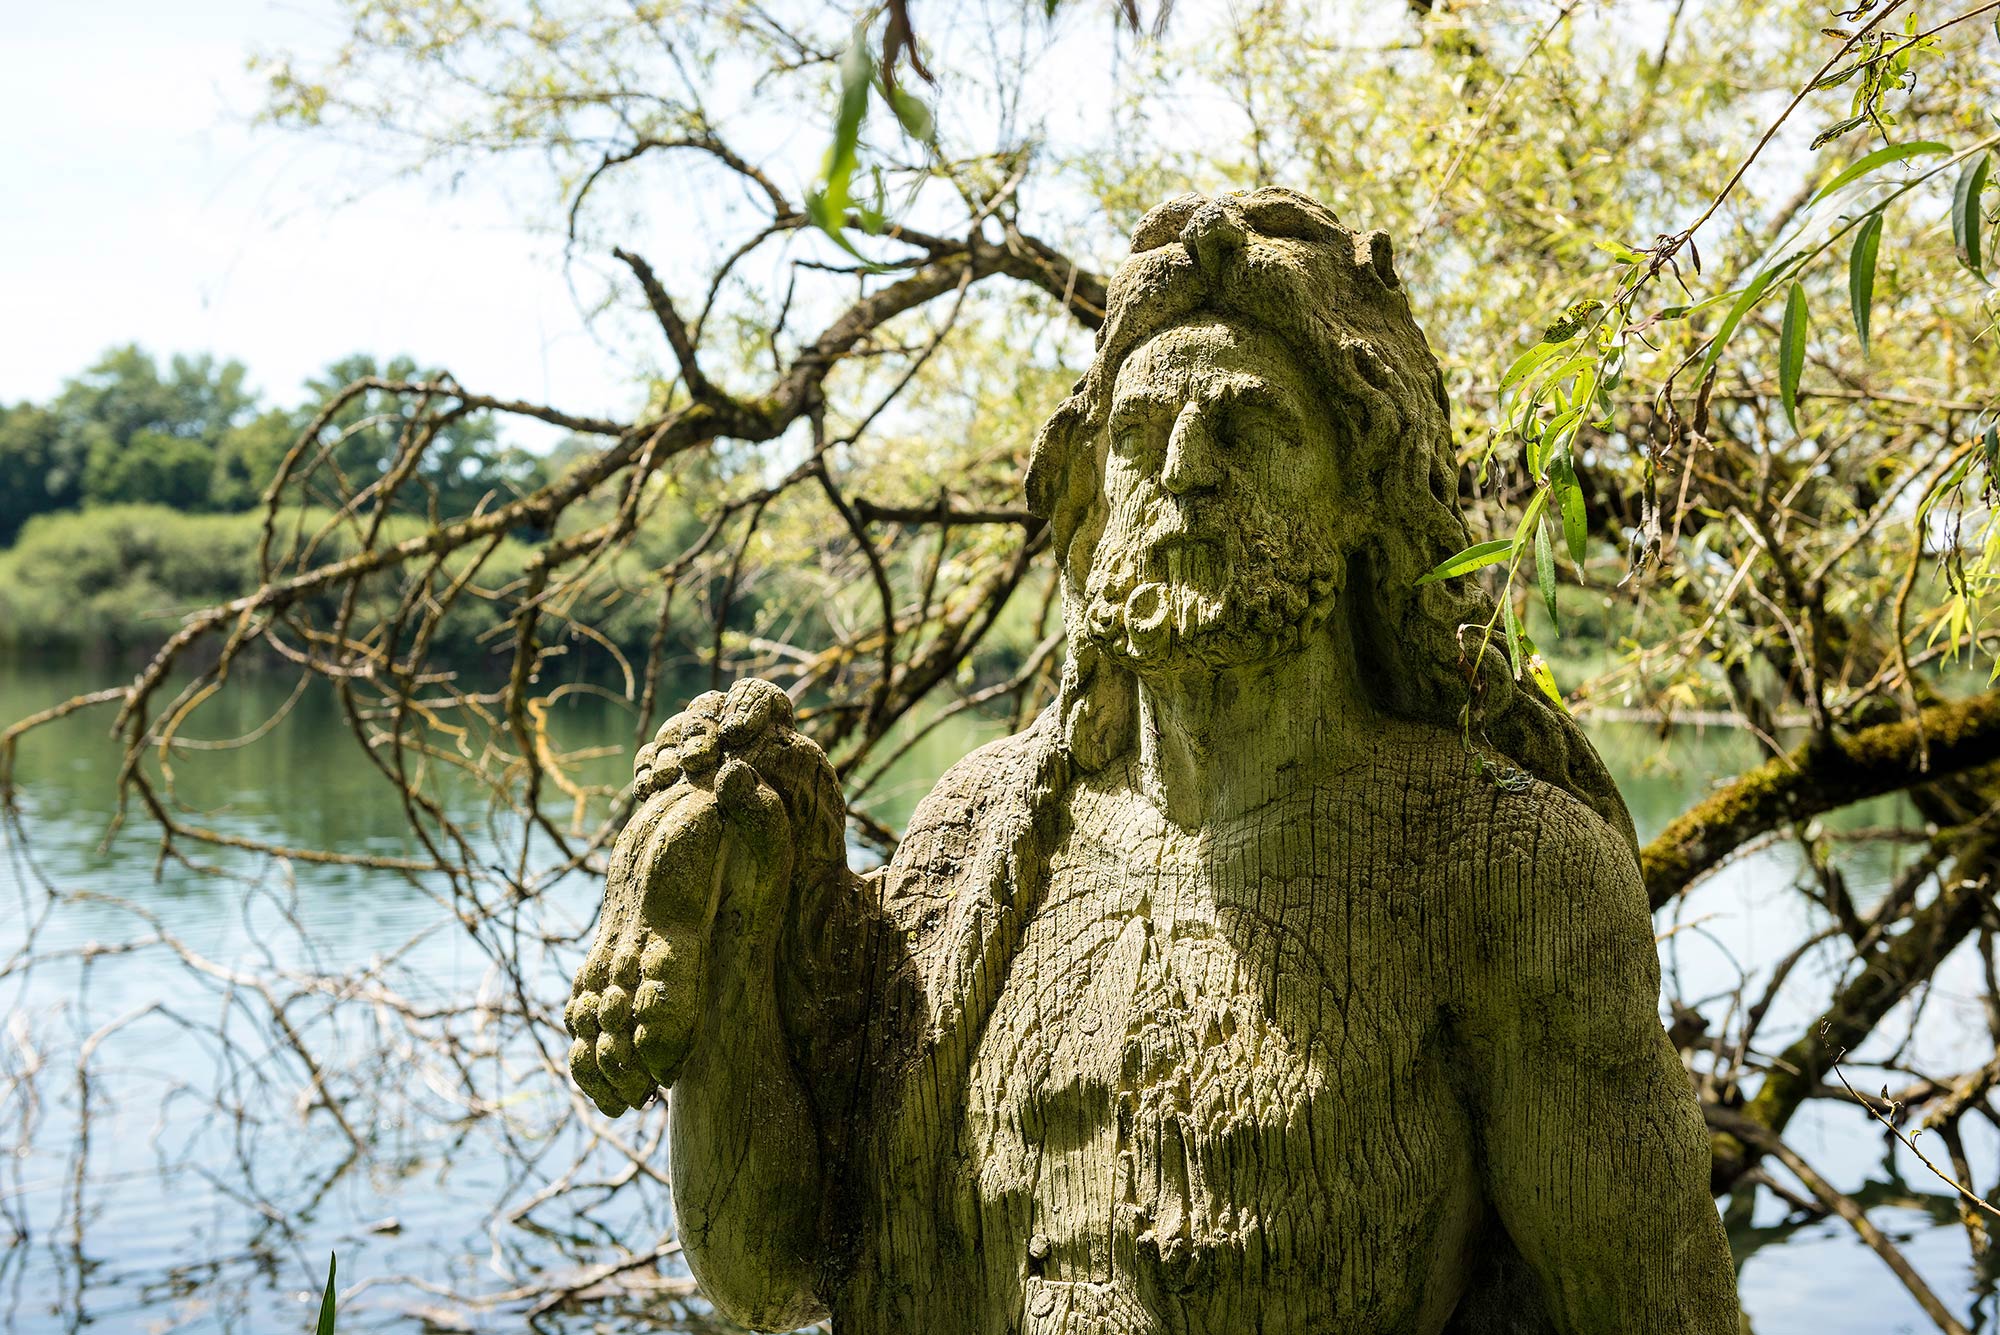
(1214, 1077)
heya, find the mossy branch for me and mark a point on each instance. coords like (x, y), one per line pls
(1825, 775)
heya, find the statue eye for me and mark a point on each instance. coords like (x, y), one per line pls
(1129, 438)
(1261, 431)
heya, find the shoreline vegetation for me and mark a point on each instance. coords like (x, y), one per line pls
(138, 494)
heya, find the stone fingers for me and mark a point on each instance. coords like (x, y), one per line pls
(620, 1063)
(708, 826)
(661, 1036)
(757, 886)
(605, 1059)
(583, 1069)
(685, 746)
(661, 982)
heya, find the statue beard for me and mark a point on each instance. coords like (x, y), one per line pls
(1249, 594)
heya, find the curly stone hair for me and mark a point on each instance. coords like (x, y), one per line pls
(1274, 259)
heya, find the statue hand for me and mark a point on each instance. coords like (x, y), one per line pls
(734, 807)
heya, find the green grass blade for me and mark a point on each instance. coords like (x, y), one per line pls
(326, 1303)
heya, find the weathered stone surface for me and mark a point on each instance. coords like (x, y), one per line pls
(1288, 975)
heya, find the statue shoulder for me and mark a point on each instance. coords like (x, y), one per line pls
(979, 803)
(1560, 900)
(1474, 798)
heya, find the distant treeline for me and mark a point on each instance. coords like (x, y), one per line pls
(118, 578)
(136, 493)
(192, 437)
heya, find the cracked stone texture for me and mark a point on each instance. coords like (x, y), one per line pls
(1292, 973)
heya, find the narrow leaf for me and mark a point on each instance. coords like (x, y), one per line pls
(1472, 558)
(1861, 275)
(1749, 298)
(1572, 321)
(827, 205)
(1512, 621)
(1545, 575)
(1834, 131)
(1526, 364)
(1557, 436)
(1569, 498)
(1538, 671)
(1943, 489)
(1839, 77)
(1529, 518)
(1792, 352)
(1881, 157)
(326, 1302)
(1966, 217)
(914, 114)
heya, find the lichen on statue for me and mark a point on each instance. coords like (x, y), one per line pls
(1235, 994)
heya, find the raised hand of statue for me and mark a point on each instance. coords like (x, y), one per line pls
(733, 810)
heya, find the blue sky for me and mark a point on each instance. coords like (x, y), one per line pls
(138, 203)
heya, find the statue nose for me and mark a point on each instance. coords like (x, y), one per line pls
(1191, 463)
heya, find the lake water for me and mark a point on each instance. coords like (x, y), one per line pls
(187, 1180)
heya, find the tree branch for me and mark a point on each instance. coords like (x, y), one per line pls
(670, 321)
(1834, 772)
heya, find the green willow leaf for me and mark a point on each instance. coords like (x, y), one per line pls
(1967, 219)
(1792, 352)
(826, 206)
(1569, 499)
(1538, 672)
(1527, 363)
(326, 1302)
(1572, 321)
(1748, 299)
(1619, 251)
(1833, 132)
(1881, 157)
(1472, 558)
(1545, 575)
(1861, 275)
(914, 113)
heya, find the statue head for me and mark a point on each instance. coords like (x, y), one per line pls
(1261, 452)
(1218, 544)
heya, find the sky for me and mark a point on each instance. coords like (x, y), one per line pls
(139, 203)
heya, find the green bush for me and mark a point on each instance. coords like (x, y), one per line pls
(120, 578)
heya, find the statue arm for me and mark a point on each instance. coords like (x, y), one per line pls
(1596, 1156)
(738, 822)
(742, 1138)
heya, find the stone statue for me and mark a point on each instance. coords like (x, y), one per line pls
(1291, 974)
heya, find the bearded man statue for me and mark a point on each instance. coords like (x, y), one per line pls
(1292, 973)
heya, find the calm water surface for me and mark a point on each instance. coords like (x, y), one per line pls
(164, 1209)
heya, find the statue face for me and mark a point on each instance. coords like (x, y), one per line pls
(1220, 543)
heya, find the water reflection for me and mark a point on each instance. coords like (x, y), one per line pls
(211, 1184)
